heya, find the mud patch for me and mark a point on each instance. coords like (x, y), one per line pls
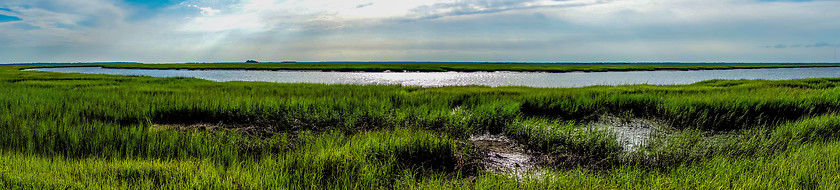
(209, 127)
(502, 155)
(186, 127)
(632, 133)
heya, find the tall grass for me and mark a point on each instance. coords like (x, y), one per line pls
(103, 131)
(567, 144)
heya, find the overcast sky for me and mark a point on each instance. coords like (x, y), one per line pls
(419, 30)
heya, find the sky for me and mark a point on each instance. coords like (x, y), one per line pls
(164, 31)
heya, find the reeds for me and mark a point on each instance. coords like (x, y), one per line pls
(102, 131)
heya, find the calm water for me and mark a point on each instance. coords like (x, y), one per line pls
(574, 79)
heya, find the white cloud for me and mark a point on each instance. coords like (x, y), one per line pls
(469, 7)
(263, 15)
(206, 11)
(436, 30)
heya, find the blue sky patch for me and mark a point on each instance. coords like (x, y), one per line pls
(6, 18)
(146, 9)
(153, 4)
(24, 26)
(785, 0)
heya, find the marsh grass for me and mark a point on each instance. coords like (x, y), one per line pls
(99, 131)
(566, 144)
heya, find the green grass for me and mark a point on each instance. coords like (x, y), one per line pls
(84, 131)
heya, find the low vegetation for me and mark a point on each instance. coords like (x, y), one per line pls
(62, 130)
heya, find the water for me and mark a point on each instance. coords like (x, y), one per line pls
(427, 79)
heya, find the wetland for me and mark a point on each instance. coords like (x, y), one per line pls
(83, 131)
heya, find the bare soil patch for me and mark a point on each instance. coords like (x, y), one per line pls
(632, 133)
(502, 155)
(211, 127)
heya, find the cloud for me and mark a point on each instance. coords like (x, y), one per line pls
(469, 7)
(364, 5)
(820, 44)
(206, 11)
(433, 30)
(813, 45)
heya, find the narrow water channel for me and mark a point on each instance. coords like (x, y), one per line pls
(429, 79)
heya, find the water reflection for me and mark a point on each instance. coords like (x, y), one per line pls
(533, 79)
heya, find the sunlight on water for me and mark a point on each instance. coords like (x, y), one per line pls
(504, 78)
